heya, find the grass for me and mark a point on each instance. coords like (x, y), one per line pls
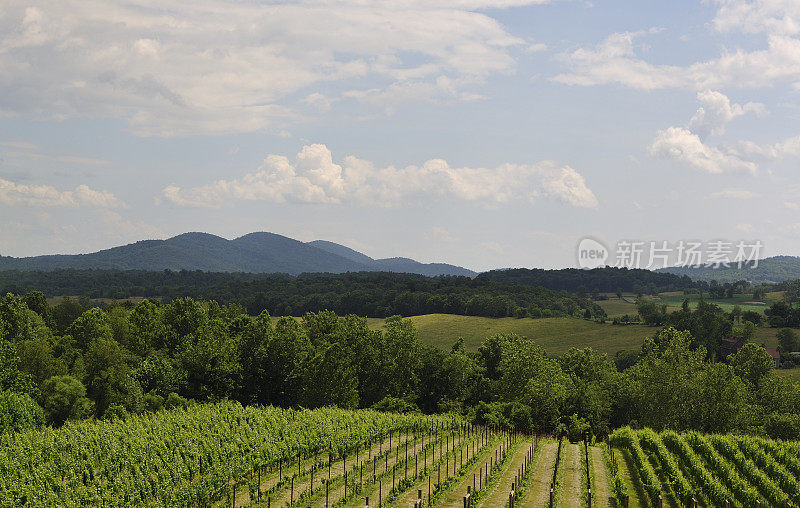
(556, 335)
(615, 307)
(793, 374)
(745, 301)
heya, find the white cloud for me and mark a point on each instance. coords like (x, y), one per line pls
(315, 178)
(735, 194)
(12, 194)
(716, 111)
(614, 61)
(683, 145)
(687, 143)
(771, 16)
(213, 66)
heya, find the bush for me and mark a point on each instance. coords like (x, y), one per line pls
(19, 412)
(116, 412)
(575, 427)
(153, 402)
(174, 401)
(783, 426)
(395, 405)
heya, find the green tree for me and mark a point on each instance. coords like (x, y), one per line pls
(719, 400)
(403, 349)
(19, 412)
(149, 331)
(36, 357)
(37, 302)
(788, 340)
(64, 398)
(330, 379)
(108, 377)
(210, 358)
(655, 392)
(752, 363)
(11, 377)
(92, 324)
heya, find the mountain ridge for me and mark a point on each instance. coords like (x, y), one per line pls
(773, 269)
(257, 252)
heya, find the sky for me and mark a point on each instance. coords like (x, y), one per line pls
(483, 133)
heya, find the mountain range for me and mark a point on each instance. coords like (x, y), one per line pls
(255, 253)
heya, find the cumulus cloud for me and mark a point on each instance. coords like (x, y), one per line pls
(151, 64)
(313, 177)
(683, 145)
(688, 144)
(716, 111)
(12, 194)
(772, 16)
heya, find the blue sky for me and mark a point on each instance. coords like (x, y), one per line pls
(485, 133)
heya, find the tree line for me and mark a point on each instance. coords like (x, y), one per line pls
(607, 279)
(371, 294)
(107, 363)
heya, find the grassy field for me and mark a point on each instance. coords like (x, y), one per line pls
(793, 374)
(746, 302)
(615, 307)
(556, 335)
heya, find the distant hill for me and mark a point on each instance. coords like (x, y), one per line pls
(606, 280)
(774, 269)
(253, 253)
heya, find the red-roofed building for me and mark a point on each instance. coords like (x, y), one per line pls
(776, 356)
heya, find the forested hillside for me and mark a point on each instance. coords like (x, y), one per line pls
(774, 269)
(365, 294)
(604, 280)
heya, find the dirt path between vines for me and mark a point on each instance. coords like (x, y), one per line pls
(499, 493)
(601, 487)
(538, 491)
(571, 493)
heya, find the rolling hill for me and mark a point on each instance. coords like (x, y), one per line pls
(773, 269)
(254, 253)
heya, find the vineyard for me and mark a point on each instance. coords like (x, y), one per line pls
(227, 455)
(692, 469)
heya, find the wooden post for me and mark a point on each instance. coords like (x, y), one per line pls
(291, 492)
